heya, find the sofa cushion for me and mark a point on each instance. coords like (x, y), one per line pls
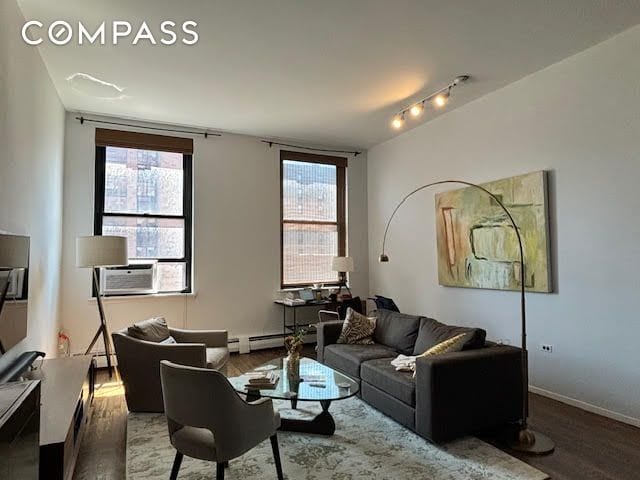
(397, 330)
(433, 332)
(382, 375)
(347, 358)
(151, 330)
(217, 357)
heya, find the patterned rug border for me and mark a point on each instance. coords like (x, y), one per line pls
(367, 446)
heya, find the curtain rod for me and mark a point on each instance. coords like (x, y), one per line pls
(271, 144)
(162, 129)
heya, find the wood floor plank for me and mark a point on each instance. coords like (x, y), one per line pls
(588, 446)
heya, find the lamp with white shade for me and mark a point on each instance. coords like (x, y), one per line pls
(342, 265)
(95, 252)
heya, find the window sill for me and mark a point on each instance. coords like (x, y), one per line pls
(126, 298)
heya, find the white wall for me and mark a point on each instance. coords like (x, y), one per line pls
(236, 236)
(580, 119)
(31, 163)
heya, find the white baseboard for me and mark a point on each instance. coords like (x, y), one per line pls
(586, 406)
(258, 344)
(262, 344)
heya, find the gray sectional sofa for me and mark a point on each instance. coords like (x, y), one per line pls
(452, 394)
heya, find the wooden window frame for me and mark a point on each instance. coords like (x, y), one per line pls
(341, 164)
(122, 139)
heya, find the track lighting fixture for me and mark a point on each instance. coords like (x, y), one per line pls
(438, 99)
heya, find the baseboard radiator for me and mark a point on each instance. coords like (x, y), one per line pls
(245, 344)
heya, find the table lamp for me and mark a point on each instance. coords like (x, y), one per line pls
(342, 265)
(95, 252)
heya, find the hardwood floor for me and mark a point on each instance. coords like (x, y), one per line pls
(587, 446)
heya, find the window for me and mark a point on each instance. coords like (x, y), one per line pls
(143, 192)
(313, 223)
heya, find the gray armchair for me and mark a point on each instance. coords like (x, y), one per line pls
(139, 362)
(208, 420)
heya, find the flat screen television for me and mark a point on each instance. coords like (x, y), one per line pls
(14, 289)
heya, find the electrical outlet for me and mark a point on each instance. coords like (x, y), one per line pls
(547, 348)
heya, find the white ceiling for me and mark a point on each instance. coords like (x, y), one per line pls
(331, 72)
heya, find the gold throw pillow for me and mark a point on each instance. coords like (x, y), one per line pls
(453, 344)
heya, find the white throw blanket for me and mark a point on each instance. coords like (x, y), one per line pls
(404, 363)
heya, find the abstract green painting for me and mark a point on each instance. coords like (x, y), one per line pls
(477, 245)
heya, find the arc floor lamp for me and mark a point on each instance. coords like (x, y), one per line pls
(526, 440)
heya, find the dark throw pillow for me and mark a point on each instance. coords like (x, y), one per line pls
(432, 333)
(152, 330)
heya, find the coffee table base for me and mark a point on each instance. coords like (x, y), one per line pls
(321, 424)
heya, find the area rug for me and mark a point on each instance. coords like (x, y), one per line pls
(367, 445)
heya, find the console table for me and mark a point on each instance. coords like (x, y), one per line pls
(293, 327)
(67, 392)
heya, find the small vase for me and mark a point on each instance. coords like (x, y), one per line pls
(293, 361)
(293, 371)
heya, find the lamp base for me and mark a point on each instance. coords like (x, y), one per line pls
(533, 443)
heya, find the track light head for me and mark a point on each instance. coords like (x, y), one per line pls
(441, 99)
(417, 109)
(398, 121)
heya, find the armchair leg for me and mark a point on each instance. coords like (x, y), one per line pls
(220, 471)
(276, 456)
(176, 466)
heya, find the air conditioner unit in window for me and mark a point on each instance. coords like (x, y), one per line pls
(138, 277)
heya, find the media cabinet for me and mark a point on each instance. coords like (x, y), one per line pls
(67, 392)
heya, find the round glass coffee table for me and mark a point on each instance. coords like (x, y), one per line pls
(313, 382)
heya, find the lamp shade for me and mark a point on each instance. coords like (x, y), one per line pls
(342, 264)
(101, 251)
(14, 251)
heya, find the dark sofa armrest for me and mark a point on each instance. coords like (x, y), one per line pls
(465, 392)
(327, 334)
(211, 338)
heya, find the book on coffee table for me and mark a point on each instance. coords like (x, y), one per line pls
(262, 380)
